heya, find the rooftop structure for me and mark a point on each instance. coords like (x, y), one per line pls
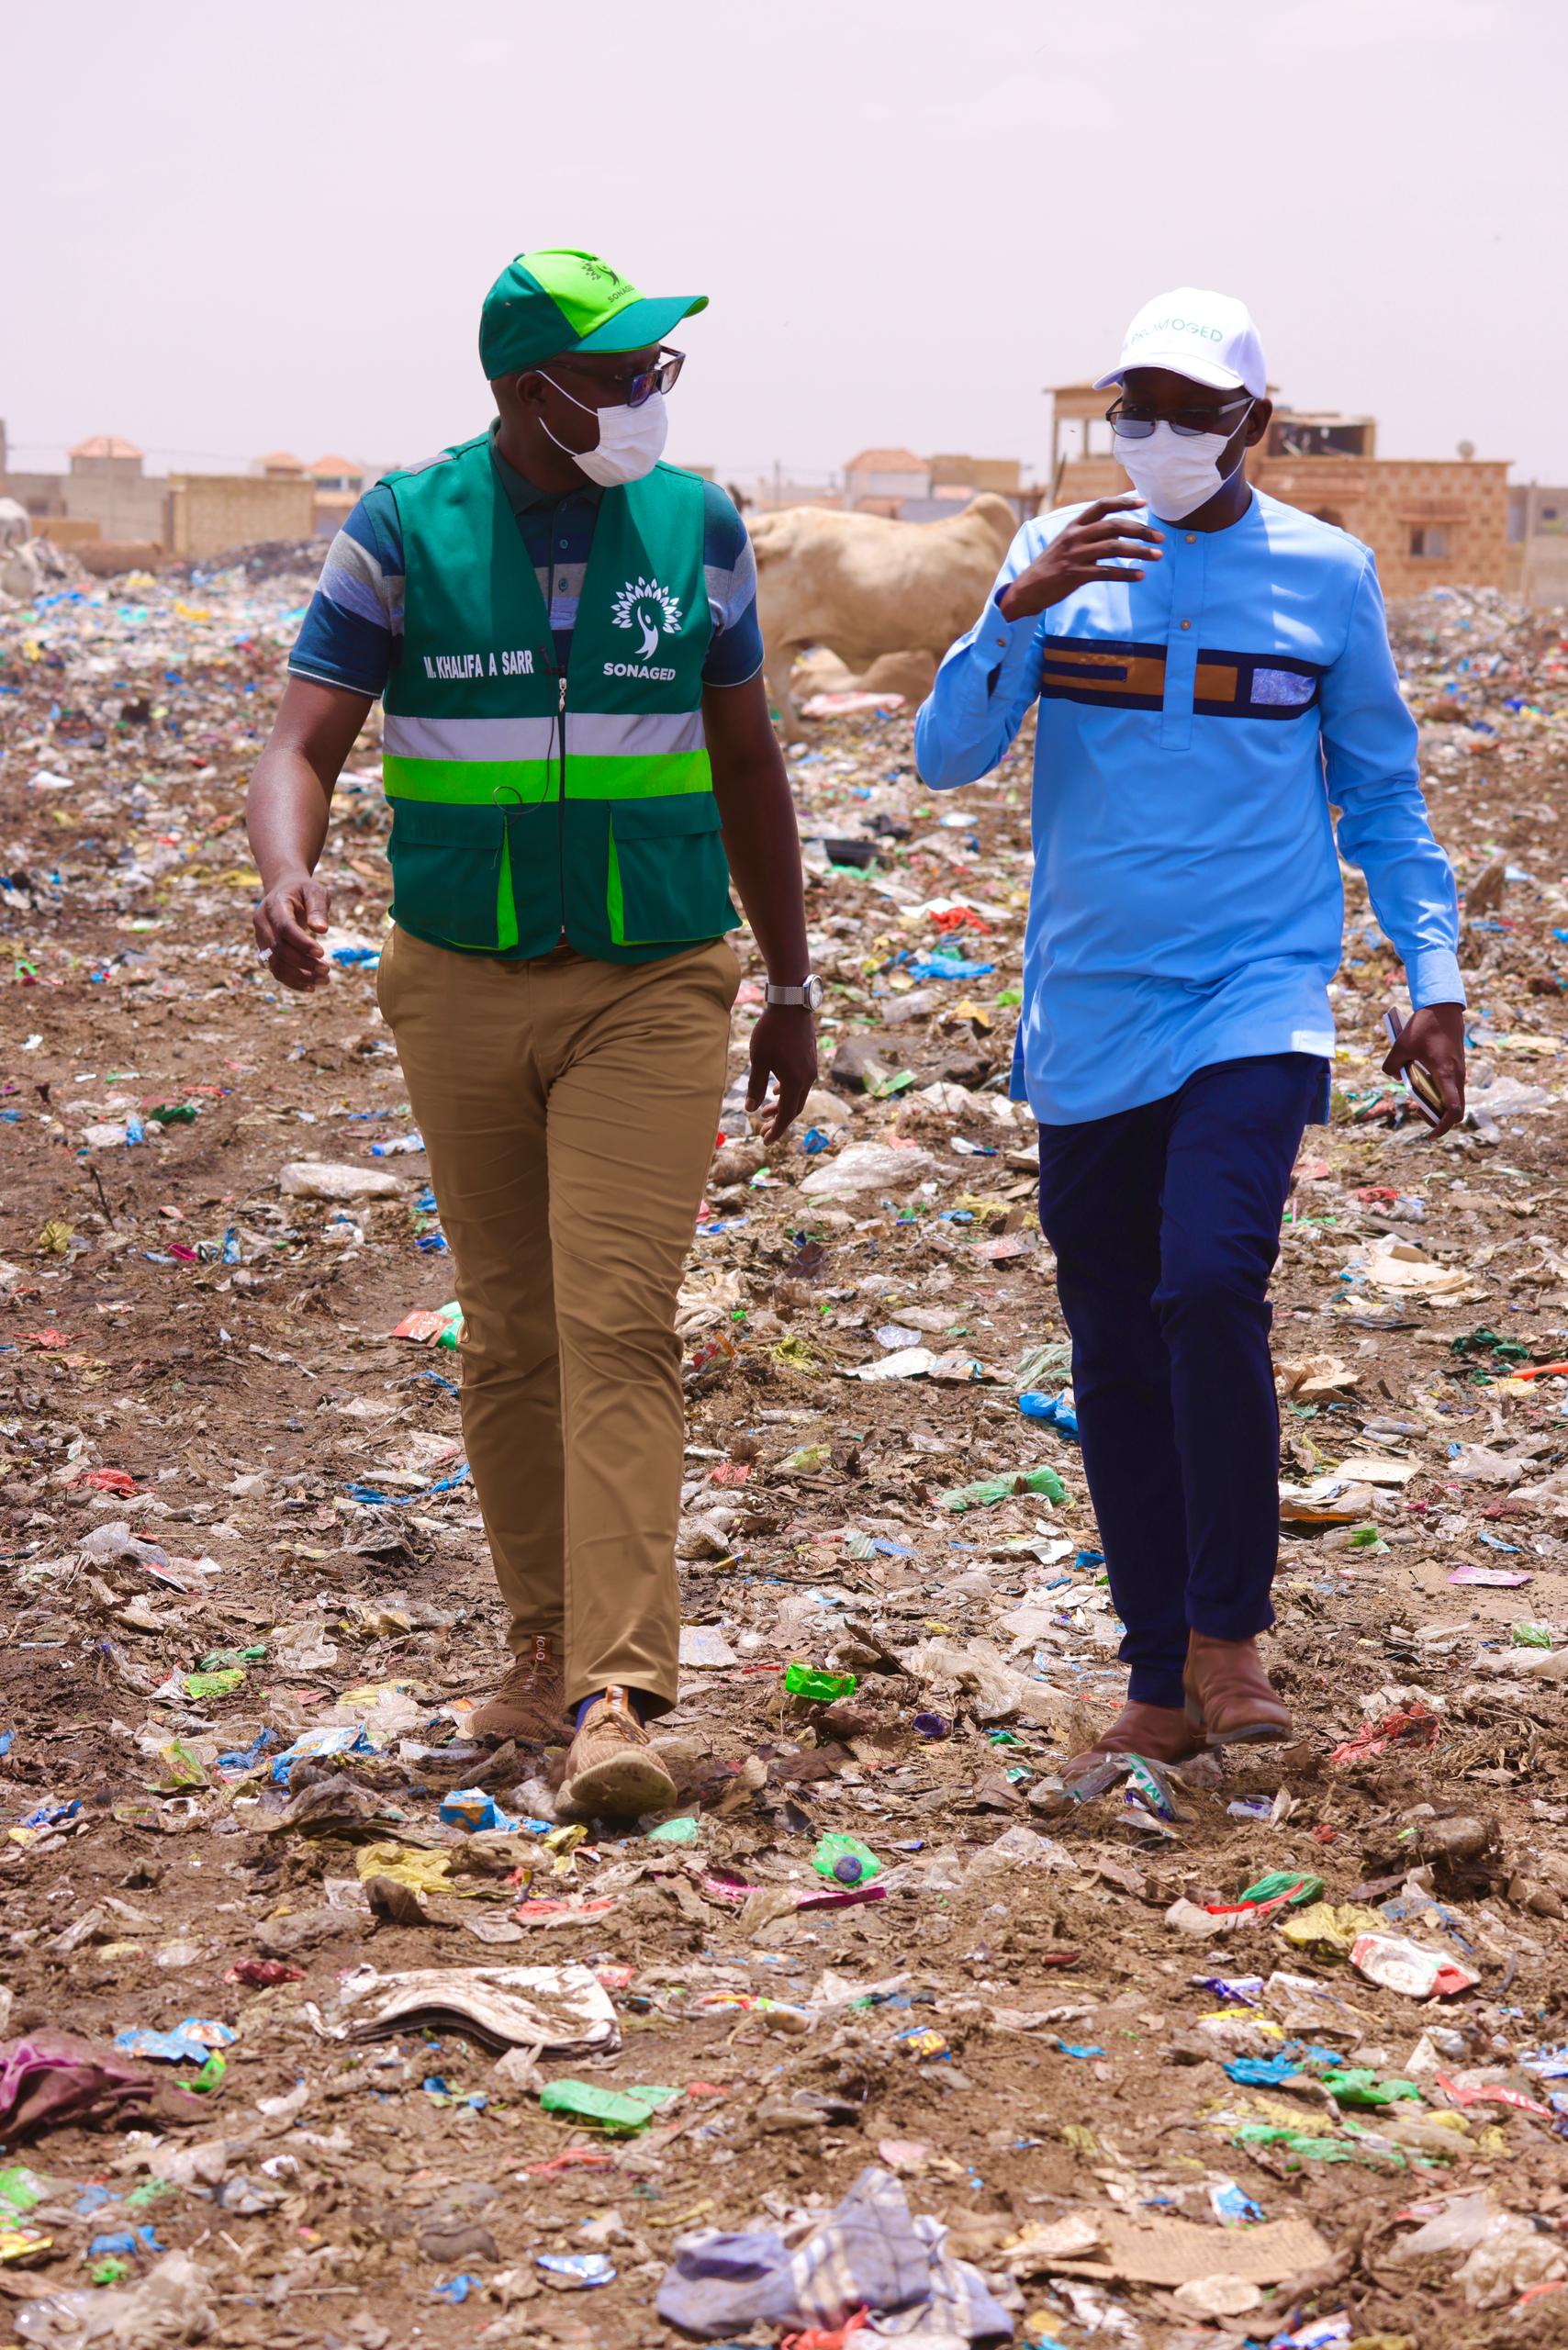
(105, 448)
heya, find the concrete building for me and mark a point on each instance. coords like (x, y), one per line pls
(879, 480)
(210, 514)
(1431, 522)
(281, 464)
(894, 483)
(338, 483)
(1538, 542)
(972, 475)
(106, 485)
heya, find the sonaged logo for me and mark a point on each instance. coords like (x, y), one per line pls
(643, 604)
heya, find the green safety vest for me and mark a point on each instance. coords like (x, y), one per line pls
(530, 806)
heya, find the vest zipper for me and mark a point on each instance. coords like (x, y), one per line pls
(561, 804)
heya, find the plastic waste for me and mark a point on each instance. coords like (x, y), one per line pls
(845, 1860)
(439, 1325)
(1396, 1964)
(1054, 1411)
(618, 2113)
(987, 1490)
(171, 2305)
(304, 1178)
(555, 2010)
(581, 2270)
(820, 1688)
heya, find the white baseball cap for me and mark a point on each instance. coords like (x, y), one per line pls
(1209, 338)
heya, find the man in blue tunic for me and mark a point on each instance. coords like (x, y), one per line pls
(1214, 680)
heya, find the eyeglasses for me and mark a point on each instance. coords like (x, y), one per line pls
(635, 390)
(1188, 423)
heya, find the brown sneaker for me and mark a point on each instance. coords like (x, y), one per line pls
(612, 1772)
(1229, 1695)
(531, 1704)
(1163, 1733)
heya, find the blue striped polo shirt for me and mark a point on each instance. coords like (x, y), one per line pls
(353, 632)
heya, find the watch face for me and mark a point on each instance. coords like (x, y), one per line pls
(813, 992)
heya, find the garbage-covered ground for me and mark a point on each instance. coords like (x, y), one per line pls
(1272, 2050)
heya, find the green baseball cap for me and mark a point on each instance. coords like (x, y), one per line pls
(552, 301)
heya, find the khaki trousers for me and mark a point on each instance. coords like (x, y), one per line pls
(569, 1109)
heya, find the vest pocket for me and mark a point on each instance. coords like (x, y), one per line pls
(533, 876)
(447, 867)
(668, 878)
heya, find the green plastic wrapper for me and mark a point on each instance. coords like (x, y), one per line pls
(619, 2113)
(181, 1767)
(1362, 2086)
(221, 1684)
(989, 1490)
(845, 1860)
(1299, 2142)
(1533, 1636)
(822, 1688)
(21, 2190)
(1281, 1883)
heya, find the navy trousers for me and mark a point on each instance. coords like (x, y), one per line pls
(1165, 1221)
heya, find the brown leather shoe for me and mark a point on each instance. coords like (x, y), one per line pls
(531, 1704)
(1163, 1733)
(1231, 1696)
(612, 1772)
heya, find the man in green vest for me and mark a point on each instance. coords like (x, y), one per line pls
(578, 756)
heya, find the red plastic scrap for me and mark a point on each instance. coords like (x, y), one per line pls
(107, 1480)
(261, 1973)
(1494, 2093)
(574, 2158)
(1414, 1725)
(821, 2338)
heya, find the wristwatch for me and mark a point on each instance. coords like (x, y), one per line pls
(809, 992)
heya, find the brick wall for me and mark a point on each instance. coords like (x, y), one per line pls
(210, 514)
(1385, 500)
(67, 530)
(1380, 500)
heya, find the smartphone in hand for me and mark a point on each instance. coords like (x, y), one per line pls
(1419, 1085)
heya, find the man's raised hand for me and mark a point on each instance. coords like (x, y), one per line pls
(1102, 542)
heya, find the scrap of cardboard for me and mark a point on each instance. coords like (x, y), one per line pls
(1172, 2252)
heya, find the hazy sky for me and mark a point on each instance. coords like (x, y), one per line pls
(238, 227)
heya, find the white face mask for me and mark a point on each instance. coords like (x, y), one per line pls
(631, 440)
(1174, 474)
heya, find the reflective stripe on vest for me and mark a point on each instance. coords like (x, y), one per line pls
(610, 755)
